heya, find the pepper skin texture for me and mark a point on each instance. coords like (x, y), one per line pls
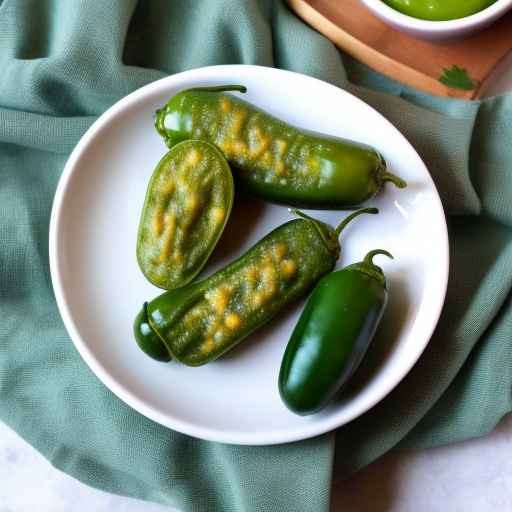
(332, 335)
(439, 10)
(188, 202)
(271, 158)
(147, 339)
(201, 321)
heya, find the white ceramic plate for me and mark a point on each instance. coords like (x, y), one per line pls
(99, 287)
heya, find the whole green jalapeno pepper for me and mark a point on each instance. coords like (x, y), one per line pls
(274, 160)
(187, 205)
(201, 321)
(332, 335)
(439, 10)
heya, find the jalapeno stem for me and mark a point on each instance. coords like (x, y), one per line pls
(398, 182)
(303, 215)
(346, 220)
(368, 267)
(221, 88)
(329, 235)
(369, 257)
(160, 122)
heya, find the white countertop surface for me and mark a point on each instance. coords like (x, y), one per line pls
(474, 476)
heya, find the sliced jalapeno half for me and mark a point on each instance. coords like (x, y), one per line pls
(187, 205)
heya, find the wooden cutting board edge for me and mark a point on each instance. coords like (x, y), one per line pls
(376, 60)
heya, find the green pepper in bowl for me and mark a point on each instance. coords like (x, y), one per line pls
(332, 335)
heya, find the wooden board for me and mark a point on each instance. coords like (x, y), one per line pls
(414, 62)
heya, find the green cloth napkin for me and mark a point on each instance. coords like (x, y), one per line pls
(62, 64)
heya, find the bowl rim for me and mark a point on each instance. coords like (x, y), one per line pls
(392, 15)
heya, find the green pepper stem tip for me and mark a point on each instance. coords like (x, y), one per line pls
(398, 182)
(346, 220)
(301, 214)
(369, 257)
(221, 88)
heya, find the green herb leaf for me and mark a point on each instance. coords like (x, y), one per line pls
(457, 78)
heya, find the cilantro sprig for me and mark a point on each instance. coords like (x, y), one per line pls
(457, 78)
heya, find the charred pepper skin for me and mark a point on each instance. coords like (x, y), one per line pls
(271, 158)
(332, 335)
(201, 321)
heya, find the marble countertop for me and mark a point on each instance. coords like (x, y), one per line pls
(474, 476)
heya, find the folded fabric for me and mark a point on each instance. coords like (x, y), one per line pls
(63, 64)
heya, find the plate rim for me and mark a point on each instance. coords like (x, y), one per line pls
(251, 438)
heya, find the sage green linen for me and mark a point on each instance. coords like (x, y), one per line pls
(62, 64)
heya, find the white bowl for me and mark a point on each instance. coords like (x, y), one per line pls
(100, 288)
(438, 30)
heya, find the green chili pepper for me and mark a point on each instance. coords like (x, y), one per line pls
(439, 10)
(273, 159)
(146, 338)
(332, 335)
(201, 321)
(187, 205)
